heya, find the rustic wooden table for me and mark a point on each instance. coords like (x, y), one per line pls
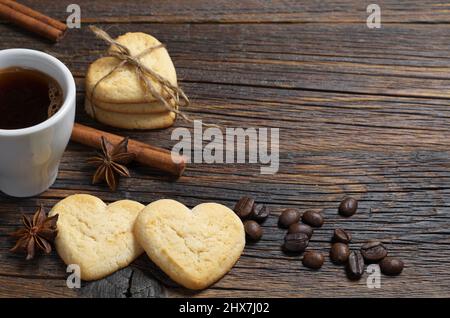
(362, 112)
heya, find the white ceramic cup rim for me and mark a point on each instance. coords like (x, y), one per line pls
(66, 106)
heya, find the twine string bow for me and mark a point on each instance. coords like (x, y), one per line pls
(170, 93)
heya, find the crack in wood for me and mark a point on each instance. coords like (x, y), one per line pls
(128, 293)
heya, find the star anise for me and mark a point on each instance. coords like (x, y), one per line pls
(39, 231)
(111, 163)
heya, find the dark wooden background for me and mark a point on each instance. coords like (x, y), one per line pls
(362, 112)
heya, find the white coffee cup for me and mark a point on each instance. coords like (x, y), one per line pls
(29, 157)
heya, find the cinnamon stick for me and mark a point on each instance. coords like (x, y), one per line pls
(148, 155)
(32, 20)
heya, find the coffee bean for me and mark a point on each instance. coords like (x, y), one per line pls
(295, 242)
(301, 228)
(244, 207)
(260, 212)
(342, 236)
(391, 266)
(355, 265)
(373, 251)
(339, 253)
(288, 217)
(348, 207)
(313, 218)
(313, 259)
(253, 230)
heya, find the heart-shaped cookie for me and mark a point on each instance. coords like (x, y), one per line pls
(194, 247)
(97, 237)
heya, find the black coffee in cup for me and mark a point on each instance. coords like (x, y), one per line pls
(27, 97)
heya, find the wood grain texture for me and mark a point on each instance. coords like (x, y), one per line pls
(362, 112)
(249, 11)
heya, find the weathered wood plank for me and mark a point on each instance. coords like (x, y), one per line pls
(126, 283)
(399, 60)
(255, 11)
(11, 286)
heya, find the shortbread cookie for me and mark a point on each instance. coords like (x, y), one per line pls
(194, 247)
(97, 237)
(131, 121)
(124, 86)
(140, 108)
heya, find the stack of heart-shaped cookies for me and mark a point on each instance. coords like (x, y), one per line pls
(120, 99)
(193, 247)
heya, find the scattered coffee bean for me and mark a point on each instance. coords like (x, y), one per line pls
(295, 242)
(244, 207)
(260, 212)
(313, 259)
(313, 218)
(373, 251)
(342, 236)
(348, 207)
(391, 266)
(288, 217)
(253, 230)
(339, 253)
(355, 265)
(301, 228)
